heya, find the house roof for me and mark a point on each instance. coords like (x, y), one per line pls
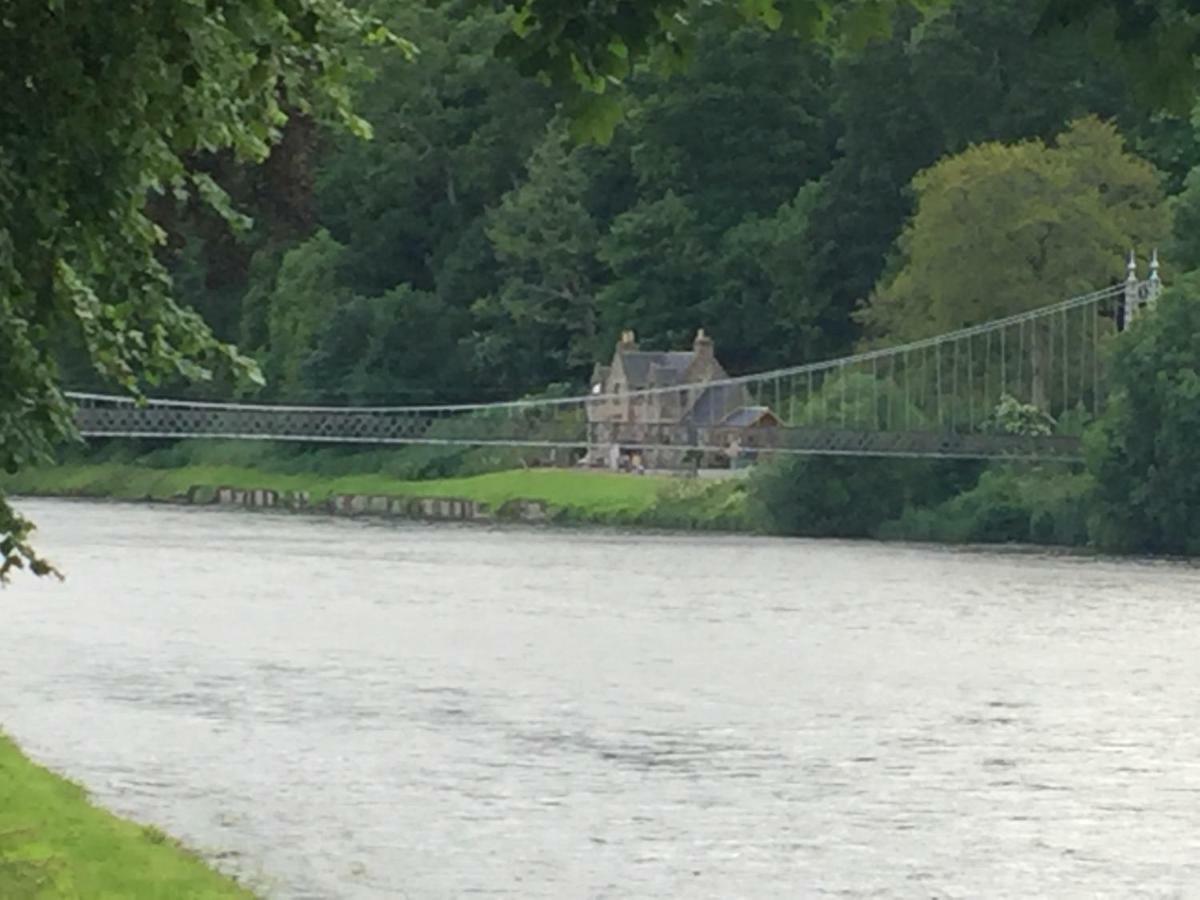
(715, 403)
(639, 365)
(746, 416)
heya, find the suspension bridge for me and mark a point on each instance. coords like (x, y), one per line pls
(936, 397)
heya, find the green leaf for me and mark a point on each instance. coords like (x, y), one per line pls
(594, 118)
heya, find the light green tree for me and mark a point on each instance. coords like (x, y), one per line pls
(1004, 228)
(1000, 229)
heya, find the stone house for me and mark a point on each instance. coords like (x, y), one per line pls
(661, 398)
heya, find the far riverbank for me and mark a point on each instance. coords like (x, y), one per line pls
(555, 495)
(929, 501)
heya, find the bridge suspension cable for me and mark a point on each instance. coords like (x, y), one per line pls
(945, 386)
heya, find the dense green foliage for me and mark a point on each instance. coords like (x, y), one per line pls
(1008, 504)
(105, 114)
(472, 250)
(819, 496)
(1065, 211)
(592, 47)
(55, 844)
(1145, 452)
(1156, 41)
(1140, 492)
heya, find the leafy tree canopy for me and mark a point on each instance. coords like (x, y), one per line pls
(105, 111)
(1004, 228)
(1158, 41)
(591, 47)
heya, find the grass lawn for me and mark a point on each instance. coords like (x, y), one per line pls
(586, 492)
(55, 844)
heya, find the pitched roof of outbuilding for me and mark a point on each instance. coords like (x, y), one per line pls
(745, 416)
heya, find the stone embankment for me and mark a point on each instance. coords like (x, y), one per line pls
(438, 509)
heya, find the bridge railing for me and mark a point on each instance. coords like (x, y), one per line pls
(568, 430)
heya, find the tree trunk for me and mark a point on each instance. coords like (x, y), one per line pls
(1040, 368)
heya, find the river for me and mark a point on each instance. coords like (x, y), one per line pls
(336, 708)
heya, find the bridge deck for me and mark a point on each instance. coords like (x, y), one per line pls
(565, 430)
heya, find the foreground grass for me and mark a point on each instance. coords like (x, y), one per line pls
(55, 844)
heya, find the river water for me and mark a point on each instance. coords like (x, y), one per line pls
(337, 708)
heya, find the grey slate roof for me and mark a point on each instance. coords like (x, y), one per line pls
(638, 365)
(715, 404)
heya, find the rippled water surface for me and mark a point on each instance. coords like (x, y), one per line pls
(343, 709)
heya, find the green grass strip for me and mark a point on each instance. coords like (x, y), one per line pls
(55, 844)
(572, 495)
(603, 493)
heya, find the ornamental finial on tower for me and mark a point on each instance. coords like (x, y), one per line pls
(1131, 269)
(1154, 266)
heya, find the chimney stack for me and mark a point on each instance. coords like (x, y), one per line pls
(703, 345)
(628, 340)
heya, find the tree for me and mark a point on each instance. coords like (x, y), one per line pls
(984, 73)
(1156, 41)
(741, 130)
(590, 47)
(1184, 248)
(966, 73)
(1143, 452)
(656, 259)
(452, 133)
(761, 291)
(307, 292)
(541, 326)
(1004, 228)
(398, 347)
(106, 107)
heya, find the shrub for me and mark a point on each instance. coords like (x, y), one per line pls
(845, 496)
(1009, 504)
